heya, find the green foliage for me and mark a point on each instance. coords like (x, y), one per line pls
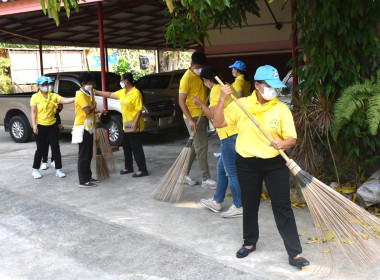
(123, 66)
(363, 99)
(190, 19)
(355, 127)
(53, 7)
(338, 43)
(5, 80)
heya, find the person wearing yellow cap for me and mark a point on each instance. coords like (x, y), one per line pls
(44, 105)
(241, 84)
(258, 160)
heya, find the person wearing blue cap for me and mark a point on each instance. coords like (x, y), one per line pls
(44, 105)
(44, 164)
(241, 84)
(258, 160)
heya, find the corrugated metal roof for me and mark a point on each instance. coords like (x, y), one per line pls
(127, 24)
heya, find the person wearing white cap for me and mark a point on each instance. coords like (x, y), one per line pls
(44, 105)
(258, 160)
(241, 84)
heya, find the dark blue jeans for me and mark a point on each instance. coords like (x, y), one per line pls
(226, 172)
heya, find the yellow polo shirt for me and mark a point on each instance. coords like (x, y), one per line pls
(46, 107)
(192, 85)
(240, 84)
(130, 104)
(83, 100)
(231, 129)
(251, 142)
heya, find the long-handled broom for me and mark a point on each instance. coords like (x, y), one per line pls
(340, 223)
(102, 170)
(171, 185)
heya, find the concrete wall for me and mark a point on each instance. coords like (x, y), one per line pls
(25, 64)
(257, 43)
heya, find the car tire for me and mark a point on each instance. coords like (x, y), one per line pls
(20, 129)
(116, 131)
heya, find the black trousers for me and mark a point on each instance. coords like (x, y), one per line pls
(132, 144)
(251, 173)
(46, 153)
(47, 134)
(84, 157)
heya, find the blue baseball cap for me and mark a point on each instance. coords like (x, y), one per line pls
(240, 65)
(269, 74)
(50, 80)
(41, 80)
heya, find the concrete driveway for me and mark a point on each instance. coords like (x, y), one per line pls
(52, 229)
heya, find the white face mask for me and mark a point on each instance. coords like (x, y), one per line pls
(50, 87)
(206, 85)
(197, 71)
(44, 88)
(88, 87)
(269, 93)
(122, 85)
(234, 73)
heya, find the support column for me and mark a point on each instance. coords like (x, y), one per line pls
(158, 66)
(201, 48)
(41, 59)
(106, 54)
(294, 44)
(102, 59)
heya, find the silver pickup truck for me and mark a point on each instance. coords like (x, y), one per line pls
(158, 113)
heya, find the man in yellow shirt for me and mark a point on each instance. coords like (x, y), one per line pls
(241, 83)
(258, 160)
(191, 85)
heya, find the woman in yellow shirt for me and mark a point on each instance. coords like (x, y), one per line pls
(241, 84)
(226, 168)
(85, 110)
(258, 160)
(43, 108)
(131, 102)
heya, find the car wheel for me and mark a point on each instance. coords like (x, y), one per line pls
(116, 131)
(19, 129)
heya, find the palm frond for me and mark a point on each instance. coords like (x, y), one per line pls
(353, 98)
(373, 113)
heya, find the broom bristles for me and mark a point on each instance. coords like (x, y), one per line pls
(102, 171)
(105, 147)
(171, 185)
(341, 224)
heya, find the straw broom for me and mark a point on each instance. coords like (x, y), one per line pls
(171, 185)
(102, 170)
(340, 223)
(105, 148)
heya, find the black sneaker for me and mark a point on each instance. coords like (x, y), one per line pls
(96, 181)
(87, 185)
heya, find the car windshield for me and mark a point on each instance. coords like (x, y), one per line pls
(154, 82)
(113, 81)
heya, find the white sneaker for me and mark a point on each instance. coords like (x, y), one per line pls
(52, 164)
(190, 181)
(44, 166)
(36, 174)
(233, 212)
(59, 173)
(211, 204)
(209, 184)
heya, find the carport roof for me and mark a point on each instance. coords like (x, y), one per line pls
(127, 24)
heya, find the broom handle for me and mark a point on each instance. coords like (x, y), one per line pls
(282, 153)
(193, 133)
